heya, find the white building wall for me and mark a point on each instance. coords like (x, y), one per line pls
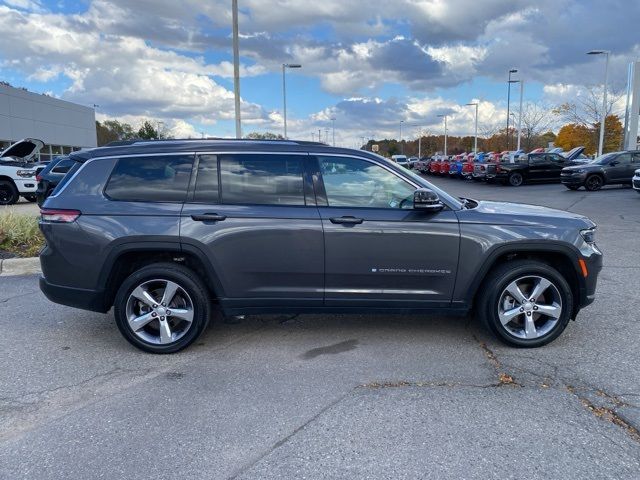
(56, 122)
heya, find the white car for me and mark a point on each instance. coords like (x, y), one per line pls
(18, 171)
(636, 181)
(401, 160)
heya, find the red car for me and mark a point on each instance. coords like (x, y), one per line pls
(444, 166)
(467, 169)
(434, 166)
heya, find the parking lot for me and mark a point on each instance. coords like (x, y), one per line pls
(334, 396)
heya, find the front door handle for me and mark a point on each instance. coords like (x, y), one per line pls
(347, 220)
(209, 217)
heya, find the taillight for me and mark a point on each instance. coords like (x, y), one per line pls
(59, 216)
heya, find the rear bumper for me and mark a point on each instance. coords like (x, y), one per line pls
(93, 300)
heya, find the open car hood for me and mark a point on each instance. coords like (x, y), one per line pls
(24, 150)
(573, 153)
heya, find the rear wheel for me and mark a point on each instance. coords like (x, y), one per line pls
(593, 183)
(515, 179)
(573, 187)
(8, 193)
(526, 303)
(162, 308)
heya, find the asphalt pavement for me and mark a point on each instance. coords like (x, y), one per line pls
(334, 396)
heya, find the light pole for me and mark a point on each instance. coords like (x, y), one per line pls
(445, 133)
(513, 70)
(158, 130)
(236, 67)
(333, 127)
(401, 144)
(475, 134)
(604, 100)
(520, 114)
(284, 92)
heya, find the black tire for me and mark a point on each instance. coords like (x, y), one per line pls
(498, 280)
(30, 197)
(593, 183)
(188, 281)
(573, 187)
(9, 194)
(515, 179)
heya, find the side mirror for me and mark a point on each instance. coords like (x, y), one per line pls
(426, 200)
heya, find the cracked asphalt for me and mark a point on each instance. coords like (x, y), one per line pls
(333, 396)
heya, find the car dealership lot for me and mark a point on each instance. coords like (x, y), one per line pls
(334, 396)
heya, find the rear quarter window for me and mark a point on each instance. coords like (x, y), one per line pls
(150, 179)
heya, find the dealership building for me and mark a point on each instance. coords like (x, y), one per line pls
(62, 126)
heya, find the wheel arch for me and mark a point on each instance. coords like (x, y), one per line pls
(562, 258)
(127, 258)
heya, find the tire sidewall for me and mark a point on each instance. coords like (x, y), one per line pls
(505, 276)
(514, 176)
(597, 187)
(13, 191)
(183, 277)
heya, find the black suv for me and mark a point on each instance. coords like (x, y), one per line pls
(535, 167)
(616, 168)
(164, 230)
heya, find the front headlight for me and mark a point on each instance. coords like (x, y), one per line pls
(589, 235)
(26, 173)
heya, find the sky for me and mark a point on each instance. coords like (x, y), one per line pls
(367, 64)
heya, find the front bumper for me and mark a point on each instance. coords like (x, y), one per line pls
(26, 185)
(593, 264)
(572, 179)
(636, 183)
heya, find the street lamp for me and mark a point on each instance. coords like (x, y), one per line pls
(401, 144)
(604, 100)
(284, 91)
(419, 140)
(236, 67)
(475, 135)
(445, 133)
(513, 70)
(333, 127)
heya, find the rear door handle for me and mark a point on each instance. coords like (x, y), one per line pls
(346, 220)
(209, 217)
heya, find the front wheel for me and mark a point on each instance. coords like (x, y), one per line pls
(515, 179)
(593, 183)
(8, 193)
(162, 308)
(526, 303)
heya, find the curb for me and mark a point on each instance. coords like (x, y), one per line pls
(19, 266)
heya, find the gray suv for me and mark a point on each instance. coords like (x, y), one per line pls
(165, 231)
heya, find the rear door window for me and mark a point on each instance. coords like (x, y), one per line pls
(259, 179)
(63, 166)
(150, 179)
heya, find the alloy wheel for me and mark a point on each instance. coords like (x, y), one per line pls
(529, 307)
(594, 182)
(515, 179)
(159, 311)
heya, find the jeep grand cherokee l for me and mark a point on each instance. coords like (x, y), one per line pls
(161, 231)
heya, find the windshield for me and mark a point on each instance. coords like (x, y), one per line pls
(602, 159)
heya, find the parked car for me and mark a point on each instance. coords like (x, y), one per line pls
(299, 227)
(422, 165)
(535, 167)
(616, 168)
(636, 181)
(412, 162)
(401, 160)
(50, 176)
(467, 170)
(434, 166)
(18, 171)
(444, 166)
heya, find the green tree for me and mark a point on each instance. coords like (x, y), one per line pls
(264, 136)
(147, 132)
(112, 131)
